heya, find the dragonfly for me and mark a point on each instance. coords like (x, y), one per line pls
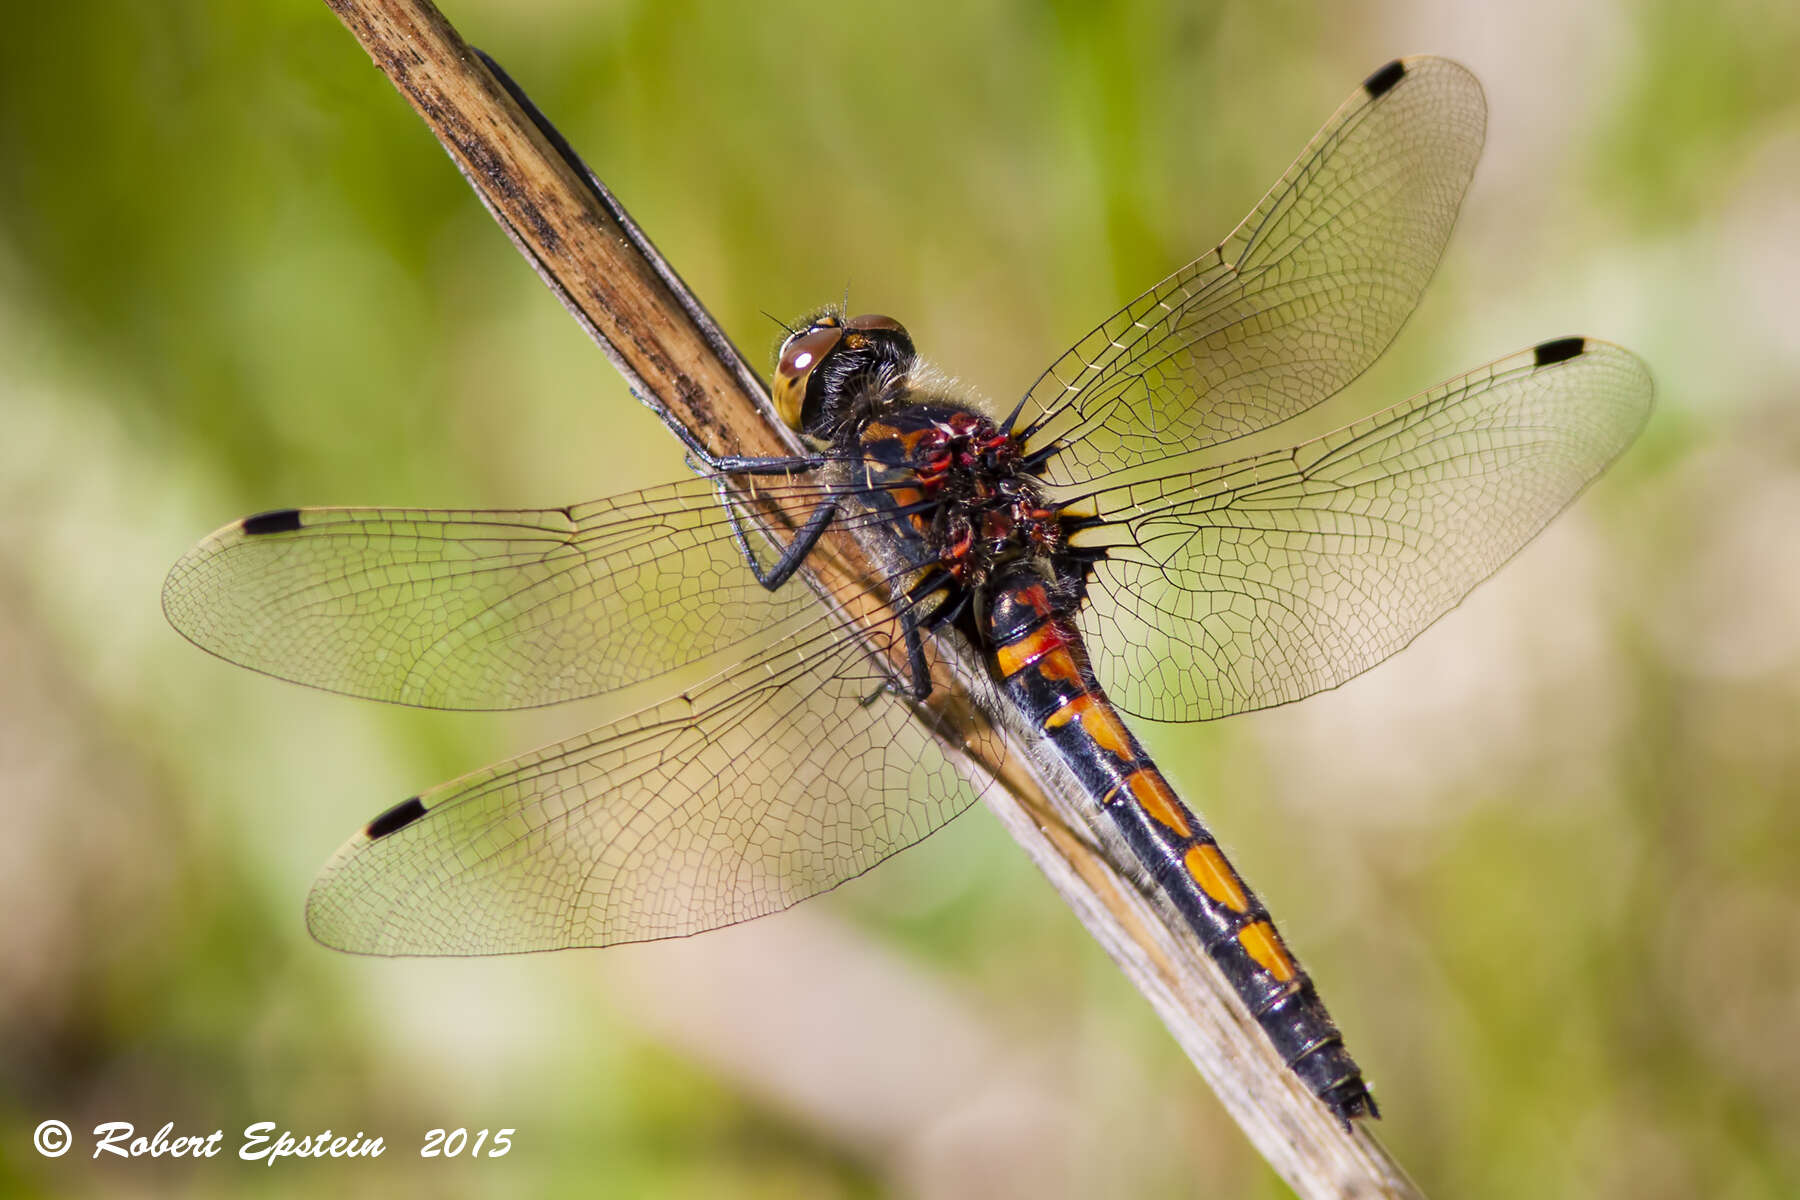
(1102, 547)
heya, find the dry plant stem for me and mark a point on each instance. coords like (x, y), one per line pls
(612, 280)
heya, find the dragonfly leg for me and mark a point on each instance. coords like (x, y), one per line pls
(916, 666)
(792, 555)
(918, 670)
(738, 464)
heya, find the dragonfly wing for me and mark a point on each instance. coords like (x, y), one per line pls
(1268, 579)
(1299, 300)
(786, 775)
(469, 609)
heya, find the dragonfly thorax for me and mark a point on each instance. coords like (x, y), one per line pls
(957, 489)
(952, 485)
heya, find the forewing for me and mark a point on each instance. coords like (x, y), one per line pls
(785, 776)
(1274, 577)
(482, 610)
(1300, 299)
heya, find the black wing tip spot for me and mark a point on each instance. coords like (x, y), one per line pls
(1560, 350)
(1383, 80)
(276, 520)
(395, 819)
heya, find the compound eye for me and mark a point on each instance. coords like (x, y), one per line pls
(799, 356)
(874, 321)
(873, 328)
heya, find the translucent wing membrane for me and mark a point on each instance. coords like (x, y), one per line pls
(1298, 301)
(780, 778)
(1274, 577)
(467, 609)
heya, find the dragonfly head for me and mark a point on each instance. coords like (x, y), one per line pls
(824, 366)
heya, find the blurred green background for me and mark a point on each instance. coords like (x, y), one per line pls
(1545, 864)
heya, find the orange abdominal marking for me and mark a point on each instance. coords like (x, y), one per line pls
(1073, 709)
(1036, 598)
(1097, 720)
(1155, 798)
(1059, 664)
(1261, 943)
(1216, 878)
(1045, 639)
(1103, 725)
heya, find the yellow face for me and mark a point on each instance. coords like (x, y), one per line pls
(793, 370)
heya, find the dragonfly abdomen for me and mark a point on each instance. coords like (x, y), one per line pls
(1044, 670)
